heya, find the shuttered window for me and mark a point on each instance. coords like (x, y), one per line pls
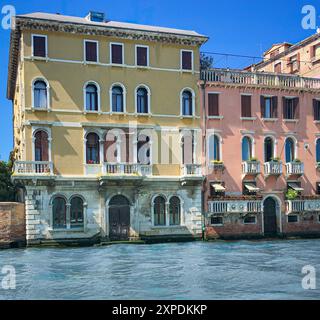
(316, 110)
(269, 107)
(39, 46)
(142, 56)
(213, 104)
(186, 57)
(290, 108)
(246, 106)
(116, 53)
(91, 49)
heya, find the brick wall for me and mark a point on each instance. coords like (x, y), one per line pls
(234, 228)
(308, 224)
(12, 224)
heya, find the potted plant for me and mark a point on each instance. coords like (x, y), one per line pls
(292, 194)
(253, 159)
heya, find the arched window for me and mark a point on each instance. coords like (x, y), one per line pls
(117, 99)
(318, 151)
(92, 149)
(187, 103)
(175, 211)
(268, 150)
(246, 149)
(40, 96)
(142, 101)
(214, 148)
(91, 97)
(143, 150)
(59, 213)
(119, 201)
(76, 213)
(290, 150)
(188, 147)
(159, 211)
(41, 146)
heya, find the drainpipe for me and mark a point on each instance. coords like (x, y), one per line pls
(204, 148)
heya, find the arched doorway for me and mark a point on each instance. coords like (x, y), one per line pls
(270, 217)
(119, 219)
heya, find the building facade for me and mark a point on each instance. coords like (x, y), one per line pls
(261, 155)
(302, 59)
(107, 129)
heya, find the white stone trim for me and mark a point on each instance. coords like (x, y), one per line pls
(33, 108)
(192, 60)
(124, 97)
(193, 103)
(84, 51)
(48, 131)
(110, 52)
(136, 55)
(136, 97)
(32, 45)
(91, 82)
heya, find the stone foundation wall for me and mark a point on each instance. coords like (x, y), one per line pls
(234, 228)
(12, 224)
(308, 224)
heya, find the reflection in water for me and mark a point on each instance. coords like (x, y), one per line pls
(222, 270)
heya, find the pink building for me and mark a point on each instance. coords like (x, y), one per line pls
(262, 154)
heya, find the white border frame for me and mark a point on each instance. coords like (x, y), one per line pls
(149, 100)
(32, 45)
(48, 131)
(192, 60)
(124, 97)
(136, 55)
(84, 51)
(85, 100)
(295, 141)
(110, 53)
(48, 108)
(193, 103)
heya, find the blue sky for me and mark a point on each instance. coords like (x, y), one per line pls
(245, 27)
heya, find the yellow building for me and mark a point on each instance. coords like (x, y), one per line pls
(107, 139)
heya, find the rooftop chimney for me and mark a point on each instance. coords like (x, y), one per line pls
(95, 16)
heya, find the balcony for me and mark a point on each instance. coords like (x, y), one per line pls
(235, 206)
(189, 170)
(251, 168)
(300, 206)
(238, 77)
(33, 168)
(295, 168)
(124, 169)
(273, 168)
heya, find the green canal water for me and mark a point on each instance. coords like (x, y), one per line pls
(218, 270)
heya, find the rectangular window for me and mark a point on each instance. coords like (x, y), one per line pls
(294, 63)
(249, 188)
(316, 110)
(277, 67)
(216, 221)
(269, 107)
(290, 108)
(91, 51)
(213, 104)
(249, 220)
(39, 46)
(315, 52)
(116, 53)
(214, 193)
(246, 106)
(292, 219)
(186, 60)
(142, 56)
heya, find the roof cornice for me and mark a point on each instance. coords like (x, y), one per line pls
(22, 23)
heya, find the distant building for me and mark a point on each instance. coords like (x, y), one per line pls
(301, 59)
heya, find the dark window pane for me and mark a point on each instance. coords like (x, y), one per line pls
(117, 99)
(142, 56)
(213, 104)
(175, 210)
(186, 60)
(116, 54)
(40, 94)
(39, 46)
(59, 213)
(216, 220)
(91, 98)
(41, 146)
(91, 52)
(142, 101)
(246, 106)
(187, 103)
(93, 149)
(76, 213)
(159, 211)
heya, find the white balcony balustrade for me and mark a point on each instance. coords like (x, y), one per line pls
(251, 167)
(124, 169)
(300, 206)
(191, 170)
(294, 168)
(232, 206)
(273, 168)
(33, 168)
(259, 79)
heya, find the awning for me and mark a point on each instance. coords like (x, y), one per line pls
(218, 187)
(295, 187)
(251, 187)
